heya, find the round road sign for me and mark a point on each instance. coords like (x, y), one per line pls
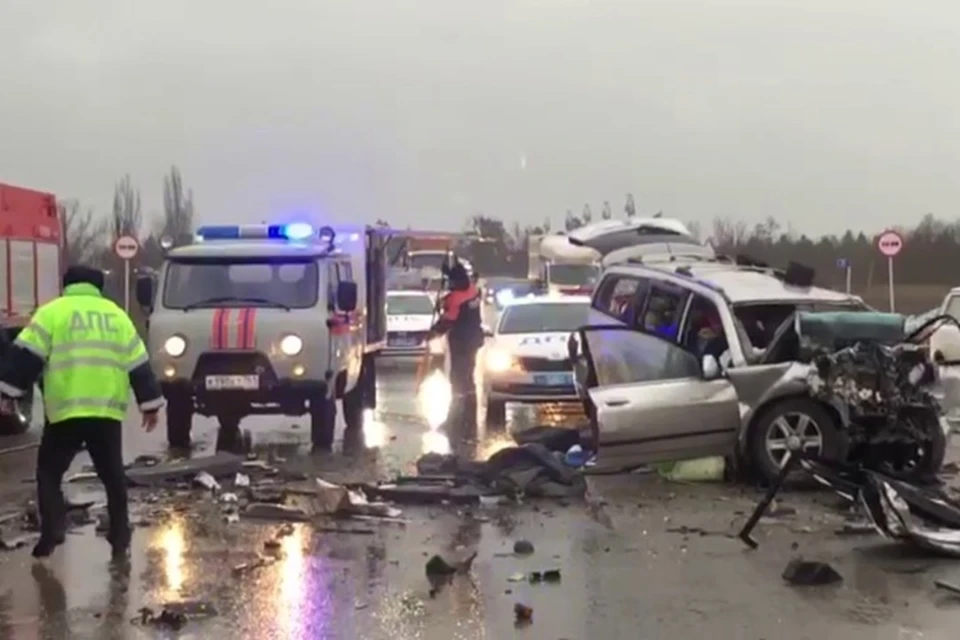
(890, 243)
(126, 247)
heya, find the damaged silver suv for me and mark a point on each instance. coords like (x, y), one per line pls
(697, 356)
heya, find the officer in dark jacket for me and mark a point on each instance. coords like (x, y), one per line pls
(461, 321)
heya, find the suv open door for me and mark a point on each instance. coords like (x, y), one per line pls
(649, 399)
(618, 241)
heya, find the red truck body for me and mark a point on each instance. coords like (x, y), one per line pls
(31, 248)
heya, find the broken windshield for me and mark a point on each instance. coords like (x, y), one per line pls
(292, 284)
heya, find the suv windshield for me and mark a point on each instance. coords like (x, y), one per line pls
(256, 282)
(574, 274)
(547, 317)
(953, 307)
(759, 322)
(409, 305)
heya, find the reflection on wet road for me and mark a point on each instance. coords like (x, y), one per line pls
(633, 564)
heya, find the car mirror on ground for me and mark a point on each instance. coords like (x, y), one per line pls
(347, 296)
(145, 290)
(711, 368)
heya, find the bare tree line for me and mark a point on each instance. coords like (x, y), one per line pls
(89, 237)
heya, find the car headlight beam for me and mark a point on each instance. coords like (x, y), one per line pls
(291, 345)
(499, 361)
(175, 346)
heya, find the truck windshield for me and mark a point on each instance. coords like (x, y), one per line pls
(291, 284)
(573, 274)
(546, 317)
(409, 305)
(427, 260)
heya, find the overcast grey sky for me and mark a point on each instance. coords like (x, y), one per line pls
(823, 113)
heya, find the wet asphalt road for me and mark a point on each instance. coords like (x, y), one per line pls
(634, 564)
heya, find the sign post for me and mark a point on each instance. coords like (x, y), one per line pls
(126, 248)
(844, 264)
(890, 243)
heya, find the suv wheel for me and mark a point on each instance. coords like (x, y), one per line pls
(791, 425)
(179, 422)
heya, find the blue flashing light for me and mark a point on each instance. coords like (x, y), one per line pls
(218, 232)
(294, 231)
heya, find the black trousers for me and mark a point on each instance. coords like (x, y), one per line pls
(462, 423)
(61, 441)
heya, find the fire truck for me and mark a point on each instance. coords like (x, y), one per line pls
(31, 248)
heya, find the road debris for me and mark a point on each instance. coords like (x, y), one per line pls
(271, 511)
(523, 615)
(947, 586)
(803, 573)
(219, 465)
(207, 481)
(18, 542)
(523, 547)
(550, 575)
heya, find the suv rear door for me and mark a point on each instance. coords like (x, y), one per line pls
(648, 399)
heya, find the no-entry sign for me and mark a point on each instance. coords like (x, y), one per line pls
(890, 243)
(126, 247)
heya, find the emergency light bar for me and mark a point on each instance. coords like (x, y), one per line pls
(294, 232)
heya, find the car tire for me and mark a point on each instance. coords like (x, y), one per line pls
(323, 422)
(496, 416)
(768, 426)
(179, 423)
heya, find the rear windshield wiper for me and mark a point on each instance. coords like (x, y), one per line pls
(222, 299)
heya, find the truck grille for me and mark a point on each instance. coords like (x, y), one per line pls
(234, 364)
(544, 364)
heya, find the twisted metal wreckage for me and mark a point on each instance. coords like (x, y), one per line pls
(884, 384)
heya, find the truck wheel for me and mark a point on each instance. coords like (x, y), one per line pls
(496, 416)
(790, 424)
(353, 408)
(179, 423)
(228, 435)
(369, 378)
(323, 422)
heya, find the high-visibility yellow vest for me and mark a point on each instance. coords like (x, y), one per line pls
(89, 345)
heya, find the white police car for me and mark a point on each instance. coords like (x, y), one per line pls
(410, 314)
(526, 359)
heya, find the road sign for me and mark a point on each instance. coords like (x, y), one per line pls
(126, 247)
(842, 263)
(890, 243)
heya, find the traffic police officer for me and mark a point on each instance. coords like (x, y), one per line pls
(461, 321)
(87, 355)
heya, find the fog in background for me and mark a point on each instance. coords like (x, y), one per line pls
(824, 114)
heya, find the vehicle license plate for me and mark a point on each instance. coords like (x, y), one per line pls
(553, 379)
(220, 383)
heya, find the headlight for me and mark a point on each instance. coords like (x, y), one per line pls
(499, 361)
(291, 345)
(175, 346)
